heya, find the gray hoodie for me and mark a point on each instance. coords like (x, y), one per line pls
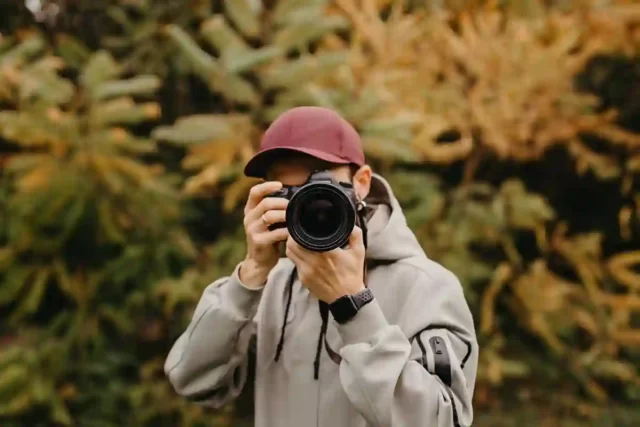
(408, 359)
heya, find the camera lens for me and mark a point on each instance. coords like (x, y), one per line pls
(321, 217)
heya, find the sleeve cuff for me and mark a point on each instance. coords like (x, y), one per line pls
(368, 322)
(244, 298)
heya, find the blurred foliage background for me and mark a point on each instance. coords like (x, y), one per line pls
(510, 130)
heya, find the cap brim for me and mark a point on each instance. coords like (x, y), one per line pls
(257, 167)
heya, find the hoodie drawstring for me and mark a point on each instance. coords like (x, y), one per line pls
(292, 279)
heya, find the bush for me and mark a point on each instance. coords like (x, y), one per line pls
(508, 134)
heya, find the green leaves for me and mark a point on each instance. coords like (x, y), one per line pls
(22, 52)
(300, 33)
(524, 210)
(210, 71)
(245, 15)
(196, 129)
(140, 118)
(99, 78)
(27, 378)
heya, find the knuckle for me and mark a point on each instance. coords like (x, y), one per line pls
(251, 228)
(271, 216)
(265, 204)
(255, 190)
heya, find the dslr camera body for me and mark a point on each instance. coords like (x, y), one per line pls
(321, 213)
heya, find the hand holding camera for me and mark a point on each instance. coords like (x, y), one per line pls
(332, 274)
(319, 215)
(260, 213)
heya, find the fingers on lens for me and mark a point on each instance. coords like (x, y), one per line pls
(271, 237)
(258, 192)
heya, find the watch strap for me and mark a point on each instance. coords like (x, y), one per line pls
(362, 298)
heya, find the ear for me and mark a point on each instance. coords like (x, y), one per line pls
(362, 181)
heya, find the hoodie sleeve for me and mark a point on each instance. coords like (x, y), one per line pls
(423, 377)
(208, 362)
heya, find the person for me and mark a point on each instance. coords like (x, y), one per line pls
(406, 355)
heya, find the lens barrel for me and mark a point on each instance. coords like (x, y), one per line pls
(321, 216)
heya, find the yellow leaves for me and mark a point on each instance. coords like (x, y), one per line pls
(621, 268)
(215, 159)
(205, 181)
(54, 115)
(501, 276)
(137, 173)
(221, 152)
(152, 110)
(555, 309)
(628, 337)
(446, 153)
(218, 144)
(237, 193)
(119, 135)
(367, 22)
(484, 72)
(37, 179)
(494, 368)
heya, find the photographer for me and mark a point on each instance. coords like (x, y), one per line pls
(355, 326)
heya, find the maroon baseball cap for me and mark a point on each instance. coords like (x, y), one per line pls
(319, 132)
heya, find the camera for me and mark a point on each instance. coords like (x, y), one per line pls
(321, 213)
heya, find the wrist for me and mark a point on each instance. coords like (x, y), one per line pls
(252, 274)
(344, 309)
(347, 290)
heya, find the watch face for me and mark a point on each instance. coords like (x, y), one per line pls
(343, 309)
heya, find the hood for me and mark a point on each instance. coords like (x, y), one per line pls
(390, 238)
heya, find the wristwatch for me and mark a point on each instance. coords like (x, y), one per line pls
(345, 308)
